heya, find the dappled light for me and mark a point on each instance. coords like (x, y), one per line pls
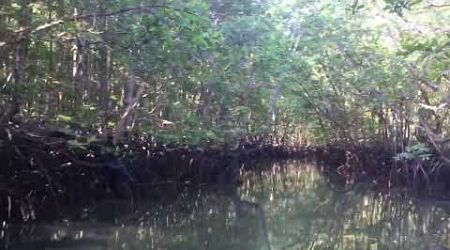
(224, 124)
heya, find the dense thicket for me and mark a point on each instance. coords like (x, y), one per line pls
(285, 71)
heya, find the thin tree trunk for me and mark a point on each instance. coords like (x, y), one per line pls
(21, 54)
(204, 106)
(104, 77)
(132, 96)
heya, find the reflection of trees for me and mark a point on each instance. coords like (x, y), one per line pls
(243, 208)
(193, 221)
(304, 214)
(292, 200)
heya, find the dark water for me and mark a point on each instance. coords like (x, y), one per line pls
(290, 206)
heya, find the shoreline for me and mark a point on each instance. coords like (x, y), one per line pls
(43, 175)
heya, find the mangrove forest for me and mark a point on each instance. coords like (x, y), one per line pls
(224, 124)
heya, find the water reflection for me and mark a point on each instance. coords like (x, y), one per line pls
(289, 206)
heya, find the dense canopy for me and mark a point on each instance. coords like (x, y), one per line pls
(285, 71)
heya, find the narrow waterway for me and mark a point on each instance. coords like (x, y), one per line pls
(288, 206)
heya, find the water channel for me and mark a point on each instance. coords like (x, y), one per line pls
(290, 205)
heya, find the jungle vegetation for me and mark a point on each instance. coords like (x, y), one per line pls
(280, 71)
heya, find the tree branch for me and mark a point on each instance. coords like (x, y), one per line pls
(135, 10)
(432, 5)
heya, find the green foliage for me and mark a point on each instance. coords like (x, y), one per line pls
(418, 151)
(316, 71)
(400, 6)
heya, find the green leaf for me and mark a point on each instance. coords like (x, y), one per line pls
(64, 118)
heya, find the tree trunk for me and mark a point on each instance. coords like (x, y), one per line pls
(21, 54)
(105, 56)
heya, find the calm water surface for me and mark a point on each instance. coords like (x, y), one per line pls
(290, 206)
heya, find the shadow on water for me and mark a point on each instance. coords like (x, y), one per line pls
(289, 205)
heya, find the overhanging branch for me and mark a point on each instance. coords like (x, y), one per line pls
(134, 10)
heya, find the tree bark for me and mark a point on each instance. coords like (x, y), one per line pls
(21, 54)
(105, 57)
